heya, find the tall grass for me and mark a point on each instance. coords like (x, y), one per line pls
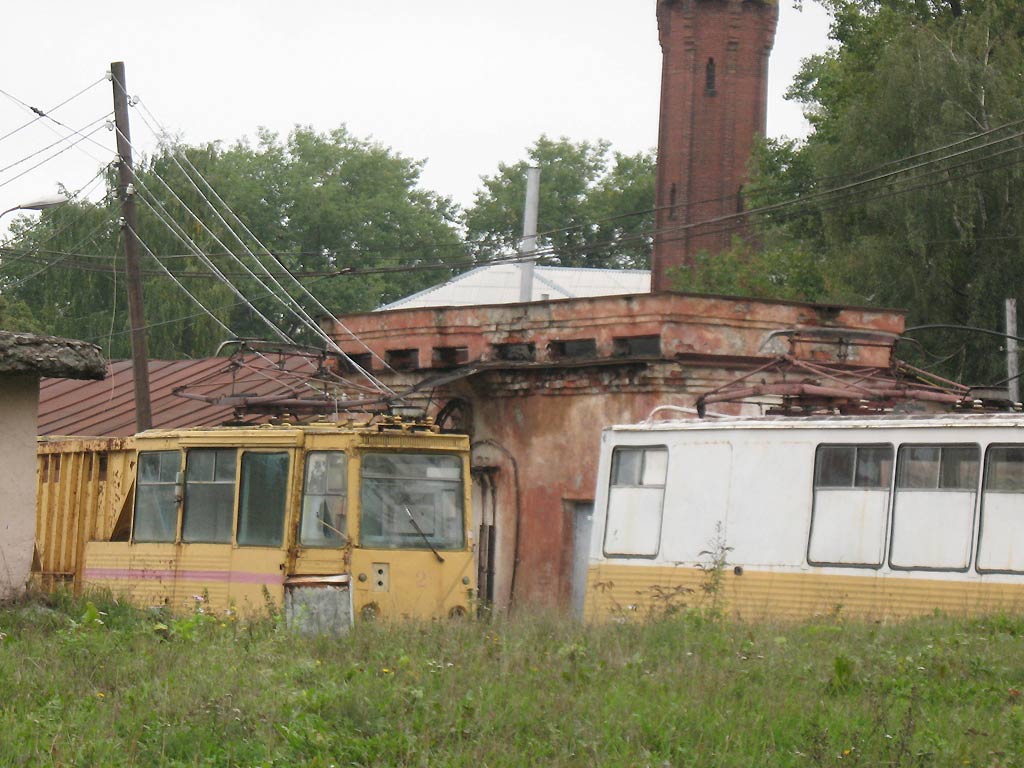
(96, 683)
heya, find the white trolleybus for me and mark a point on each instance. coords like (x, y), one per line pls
(878, 517)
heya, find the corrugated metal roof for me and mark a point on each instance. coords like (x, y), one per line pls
(107, 407)
(499, 284)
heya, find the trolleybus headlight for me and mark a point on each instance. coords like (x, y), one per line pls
(458, 612)
(370, 611)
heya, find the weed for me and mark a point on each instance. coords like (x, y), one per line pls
(532, 688)
(668, 601)
(843, 674)
(713, 565)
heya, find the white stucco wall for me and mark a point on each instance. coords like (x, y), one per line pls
(19, 401)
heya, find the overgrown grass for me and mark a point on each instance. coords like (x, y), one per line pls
(96, 683)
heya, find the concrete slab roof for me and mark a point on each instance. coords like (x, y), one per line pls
(30, 354)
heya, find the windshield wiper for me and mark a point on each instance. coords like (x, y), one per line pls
(423, 535)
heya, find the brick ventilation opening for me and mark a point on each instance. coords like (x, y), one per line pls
(572, 349)
(449, 357)
(363, 360)
(515, 352)
(403, 359)
(637, 346)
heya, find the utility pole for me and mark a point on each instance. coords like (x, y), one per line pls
(1012, 359)
(529, 242)
(126, 191)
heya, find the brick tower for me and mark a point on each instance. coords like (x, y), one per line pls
(714, 86)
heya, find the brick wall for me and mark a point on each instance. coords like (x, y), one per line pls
(708, 121)
(543, 379)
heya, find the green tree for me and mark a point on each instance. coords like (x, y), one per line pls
(595, 206)
(346, 212)
(15, 316)
(784, 258)
(906, 192)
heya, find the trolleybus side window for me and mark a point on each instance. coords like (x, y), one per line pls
(853, 466)
(636, 499)
(411, 500)
(851, 505)
(156, 505)
(209, 495)
(933, 511)
(263, 494)
(1001, 540)
(323, 499)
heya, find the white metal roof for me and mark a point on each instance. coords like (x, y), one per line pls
(499, 284)
(881, 421)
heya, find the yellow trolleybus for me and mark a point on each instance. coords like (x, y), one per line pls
(325, 521)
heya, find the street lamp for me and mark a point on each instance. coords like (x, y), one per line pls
(38, 205)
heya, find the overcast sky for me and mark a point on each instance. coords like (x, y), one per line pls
(462, 84)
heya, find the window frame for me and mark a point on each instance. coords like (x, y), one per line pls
(237, 451)
(896, 490)
(981, 510)
(888, 489)
(176, 484)
(644, 449)
(416, 542)
(345, 537)
(942, 448)
(240, 490)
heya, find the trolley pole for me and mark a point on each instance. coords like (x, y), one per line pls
(126, 191)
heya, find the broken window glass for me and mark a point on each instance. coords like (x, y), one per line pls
(323, 500)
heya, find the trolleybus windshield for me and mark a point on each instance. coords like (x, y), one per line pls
(412, 501)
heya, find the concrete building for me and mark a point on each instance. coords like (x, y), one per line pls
(24, 358)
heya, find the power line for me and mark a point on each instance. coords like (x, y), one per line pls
(211, 315)
(800, 204)
(60, 140)
(51, 157)
(588, 248)
(40, 114)
(292, 304)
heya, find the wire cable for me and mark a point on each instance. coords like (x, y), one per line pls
(61, 140)
(291, 304)
(40, 114)
(43, 162)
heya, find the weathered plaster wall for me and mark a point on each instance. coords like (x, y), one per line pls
(550, 422)
(536, 425)
(19, 399)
